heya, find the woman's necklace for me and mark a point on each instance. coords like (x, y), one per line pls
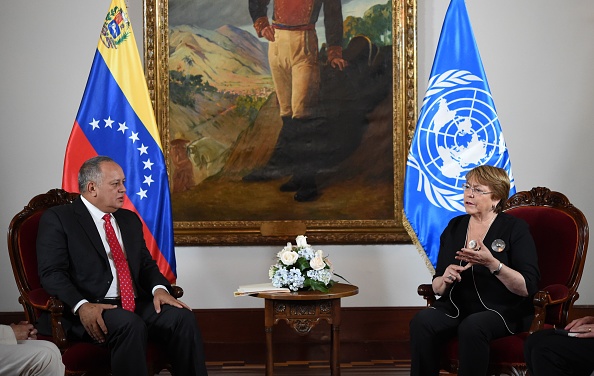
(473, 243)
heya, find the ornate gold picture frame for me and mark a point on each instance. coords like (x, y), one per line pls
(354, 205)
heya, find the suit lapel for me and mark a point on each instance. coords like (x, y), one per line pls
(88, 225)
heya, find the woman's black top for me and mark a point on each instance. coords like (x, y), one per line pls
(479, 289)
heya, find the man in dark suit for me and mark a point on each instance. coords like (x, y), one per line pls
(78, 263)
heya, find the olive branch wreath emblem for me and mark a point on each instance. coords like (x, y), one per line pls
(440, 197)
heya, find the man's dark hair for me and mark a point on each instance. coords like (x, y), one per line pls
(90, 171)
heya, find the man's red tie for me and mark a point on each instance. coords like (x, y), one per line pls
(121, 265)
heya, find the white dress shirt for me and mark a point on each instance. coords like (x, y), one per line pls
(114, 291)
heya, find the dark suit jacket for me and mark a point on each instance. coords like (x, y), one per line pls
(73, 263)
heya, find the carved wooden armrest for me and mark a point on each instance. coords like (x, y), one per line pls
(543, 299)
(39, 299)
(56, 308)
(426, 291)
(177, 292)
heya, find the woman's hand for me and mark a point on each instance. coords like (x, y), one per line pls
(481, 255)
(453, 273)
(450, 275)
(478, 256)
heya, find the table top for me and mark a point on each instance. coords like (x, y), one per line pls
(339, 290)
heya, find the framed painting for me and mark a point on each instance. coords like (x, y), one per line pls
(255, 157)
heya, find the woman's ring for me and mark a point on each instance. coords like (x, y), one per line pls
(589, 329)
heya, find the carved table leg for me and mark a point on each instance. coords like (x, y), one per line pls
(335, 357)
(302, 315)
(268, 324)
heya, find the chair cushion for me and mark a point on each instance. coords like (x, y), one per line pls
(82, 357)
(506, 350)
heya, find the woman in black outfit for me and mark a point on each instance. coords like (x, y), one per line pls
(486, 276)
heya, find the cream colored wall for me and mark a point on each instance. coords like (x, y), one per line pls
(537, 55)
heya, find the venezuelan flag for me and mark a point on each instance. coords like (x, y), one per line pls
(116, 119)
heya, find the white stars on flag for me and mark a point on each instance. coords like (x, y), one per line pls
(148, 164)
(94, 124)
(134, 137)
(142, 150)
(122, 127)
(108, 122)
(141, 193)
(148, 180)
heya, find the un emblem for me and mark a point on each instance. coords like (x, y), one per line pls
(458, 130)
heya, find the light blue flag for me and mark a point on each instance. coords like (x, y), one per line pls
(458, 129)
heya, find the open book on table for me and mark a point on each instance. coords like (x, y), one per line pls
(258, 288)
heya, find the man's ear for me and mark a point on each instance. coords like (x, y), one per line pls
(92, 188)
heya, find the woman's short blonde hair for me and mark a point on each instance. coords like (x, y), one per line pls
(496, 179)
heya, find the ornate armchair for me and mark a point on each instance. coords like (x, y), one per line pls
(561, 233)
(80, 358)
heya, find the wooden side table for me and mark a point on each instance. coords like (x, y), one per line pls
(302, 310)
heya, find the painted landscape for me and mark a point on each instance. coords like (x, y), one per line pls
(224, 122)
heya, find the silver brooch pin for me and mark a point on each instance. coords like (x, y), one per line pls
(498, 245)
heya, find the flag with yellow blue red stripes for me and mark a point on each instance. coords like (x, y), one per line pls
(116, 119)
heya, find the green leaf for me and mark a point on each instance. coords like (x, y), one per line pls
(315, 285)
(341, 277)
(302, 263)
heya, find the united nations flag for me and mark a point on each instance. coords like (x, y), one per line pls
(458, 129)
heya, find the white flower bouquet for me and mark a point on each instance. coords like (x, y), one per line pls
(300, 267)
